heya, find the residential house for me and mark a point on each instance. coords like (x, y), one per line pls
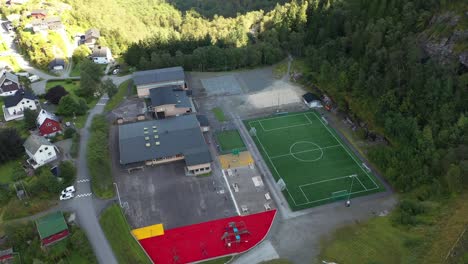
(14, 105)
(91, 36)
(101, 55)
(311, 100)
(39, 150)
(166, 140)
(52, 228)
(6, 254)
(57, 64)
(169, 101)
(39, 13)
(48, 124)
(146, 80)
(15, 2)
(9, 83)
(44, 24)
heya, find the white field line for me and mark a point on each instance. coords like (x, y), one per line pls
(319, 200)
(305, 114)
(274, 129)
(303, 193)
(271, 118)
(327, 180)
(304, 151)
(352, 157)
(230, 191)
(261, 125)
(274, 167)
(361, 183)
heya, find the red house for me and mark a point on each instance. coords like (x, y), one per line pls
(6, 254)
(49, 124)
(39, 13)
(52, 228)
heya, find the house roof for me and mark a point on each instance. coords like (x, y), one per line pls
(203, 120)
(34, 142)
(177, 135)
(159, 75)
(309, 97)
(39, 11)
(43, 115)
(7, 76)
(99, 52)
(92, 33)
(51, 224)
(19, 95)
(169, 95)
(56, 62)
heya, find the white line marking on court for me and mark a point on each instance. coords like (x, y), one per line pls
(304, 195)
(273, 129)
(230, 191)
(352, 157)
(329, 198)
(304, 151)
(361, 183)
(274, 167)
(308, 118)
(260, 122)
(327, 180)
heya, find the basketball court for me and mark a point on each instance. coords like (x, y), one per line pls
(308, 160)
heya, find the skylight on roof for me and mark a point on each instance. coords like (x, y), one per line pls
(154, 127)
(146, 138)
(156, 136)
(158, 143)
(148, 144)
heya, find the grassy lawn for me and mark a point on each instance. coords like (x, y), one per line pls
(230, 140)
(6, 171)
(118, 97)
(18, 209)
(76, 71)
(376, 241)
(219, 114)
(117, 230)
(70, 86)
(98, 157)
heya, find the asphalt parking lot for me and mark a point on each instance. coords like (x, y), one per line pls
(163, 194)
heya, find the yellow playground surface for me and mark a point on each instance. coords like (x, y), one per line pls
(148, 231)
(233, 161)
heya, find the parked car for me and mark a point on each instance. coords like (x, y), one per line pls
(69, 189)
(33, 78)
(66, 196)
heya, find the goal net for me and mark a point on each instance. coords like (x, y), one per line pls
(281, 184)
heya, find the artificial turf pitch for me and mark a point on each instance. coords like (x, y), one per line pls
(317, 167)
(230, 140)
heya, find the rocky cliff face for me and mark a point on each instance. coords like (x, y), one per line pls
(446, 39)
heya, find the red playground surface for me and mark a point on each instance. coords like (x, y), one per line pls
(210, 239)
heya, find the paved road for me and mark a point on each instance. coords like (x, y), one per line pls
(85, 204)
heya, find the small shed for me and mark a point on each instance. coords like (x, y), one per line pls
(52, 228)
(312, 100)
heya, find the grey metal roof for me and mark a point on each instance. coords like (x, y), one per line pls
(8, 76)
(159, 75)
(34, 142)
(19, 95)
(177, 135)
(169, 95)
(92, 33)
(309, 97)
(203, 120)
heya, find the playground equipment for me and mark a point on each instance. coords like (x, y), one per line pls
(235, 233)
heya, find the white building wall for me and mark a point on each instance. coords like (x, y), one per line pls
(45, 154)
(25, 103)
(10, 93)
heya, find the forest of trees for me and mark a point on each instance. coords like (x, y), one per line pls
(367, 55)
(196, 43)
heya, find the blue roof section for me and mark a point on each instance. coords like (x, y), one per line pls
(169, 95)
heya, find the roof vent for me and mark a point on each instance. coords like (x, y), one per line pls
(145, 128)
(148, 144)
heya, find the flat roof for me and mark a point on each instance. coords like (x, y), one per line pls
(169, 95)
(169, 137)
(158, 75)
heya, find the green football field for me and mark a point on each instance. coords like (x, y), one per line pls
(317, 168)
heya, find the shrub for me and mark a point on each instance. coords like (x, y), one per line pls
(69, 132)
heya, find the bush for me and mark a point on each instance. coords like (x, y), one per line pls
(55, 93)
(70, 105)
(69, 132)
(67, 172)
(407, 213)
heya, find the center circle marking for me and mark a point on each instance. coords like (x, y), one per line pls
(316, 148)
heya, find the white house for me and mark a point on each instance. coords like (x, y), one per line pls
(14, 105)
(9, 83)
(101, 55)
(311, 100)
(39, 150)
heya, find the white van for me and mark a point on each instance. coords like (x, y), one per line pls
(33, 78)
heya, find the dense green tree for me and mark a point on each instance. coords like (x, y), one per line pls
(71, 105)
(90, 81)
(29, 120)
(109, 87)
(12, 144)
